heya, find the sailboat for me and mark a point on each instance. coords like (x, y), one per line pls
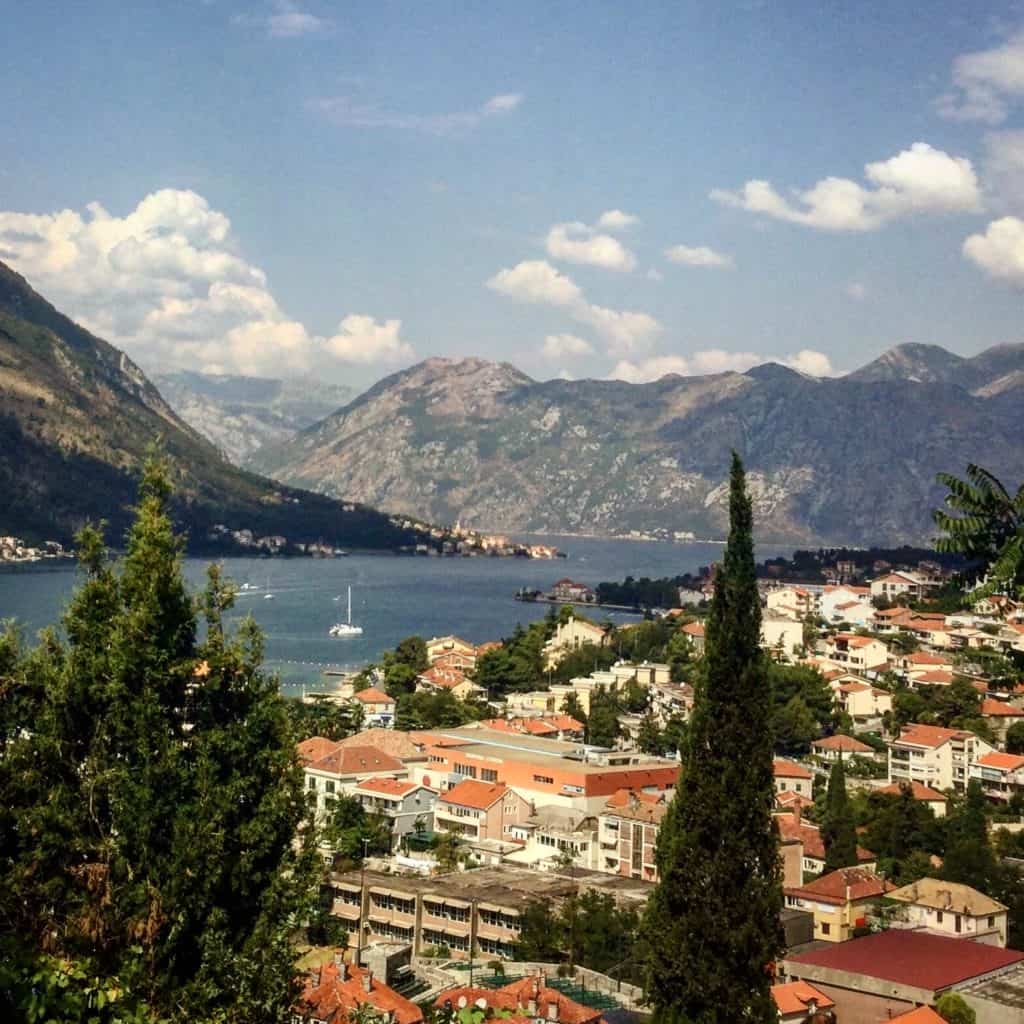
(346, 628)
(268, 596)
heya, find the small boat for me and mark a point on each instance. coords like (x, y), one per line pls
(346, 628)
(268, 596)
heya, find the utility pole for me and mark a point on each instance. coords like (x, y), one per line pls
(362, 904)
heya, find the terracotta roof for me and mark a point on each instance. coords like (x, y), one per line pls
(791, 827)
(622, 797)
(853, 687)
(922, 1015)
(789, 799)
(918, 791)
(394, 742)
(693, 629)
(314, 748)
(849, 604)
(388, 787)
(929, 735)
(933, 677)
(329, 996)
(371, 695)
(788, 770)
(926, 658)
(470, 793)
(912, 958)
(845, 744)
(841, 886)
(1004, 762)
(853, 640)
(489, 645)
(517, 996)
(354, 760)
(446, 678)
(642, 811)
(794, 997)
(992, 708)
(961, 899)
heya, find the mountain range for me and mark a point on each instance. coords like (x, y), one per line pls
(77, 417)
(849, 459)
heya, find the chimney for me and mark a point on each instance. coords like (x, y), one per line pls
(314, 976)
(339, 963)
(368, 980)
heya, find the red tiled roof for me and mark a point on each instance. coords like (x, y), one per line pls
(840, 886)
(371, 695)
(470, 793)
(929, 735)
(845, 744)
(933, 677)
(353, 760)
(447, 678)
(387, 787)
(853, 687)
(992, 708)
(925, 658)
(517, 996)
(794, 997)
(790, 827)
(922, 1015)
(693, 629)
(918, 790)
(330, 997)
(1004, 762)
(912, 958)
(314, 748)
(406, 746)
(788, 770)
(622, 798)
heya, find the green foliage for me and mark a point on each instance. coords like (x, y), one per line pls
(1015, 738)
(448, 850)
(650, 738)
(581, 662)
(441, 710)
(322, 716)
(401, 666)
(801, 706)
(969, 856)
(712, 922)
(352, 833)
(150, 800)
(518, 665)
(603, 721)
(838, 830)
(679, 654)
(902, 832)
(953, 1009)
(571, 706)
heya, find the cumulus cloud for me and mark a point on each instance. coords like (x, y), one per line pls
(577, 243)
(1000, 250)
(986, 83)
(716, 360)
(563, 346)
(285, 20)
(698, 256)
(168, 283)
(617, 220)
(539, 283)
(347, 113)
(918, 180)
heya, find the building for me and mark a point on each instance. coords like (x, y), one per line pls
(335, 989)
(863, 702)
(795, 603)
(479, 810)
(343, 768)
(528, 999)
(793, 829)
(439, 678)
(933, 756)
(628, 833)
(1001, 775)
(948, 908)
(571, 635)
(552, 726)
(877, 977)
(931, 798)
(845, 603)
(671, 700)
(896, 584)
(839, 901)
(408, 806)
(694, 632)
(570, 592)
(1000, 715)
(781, 636)
(792, 778)
(458, 653)
(799, 1003)
(832, 748)
(378, 707)
(556, 837)
(857, 653)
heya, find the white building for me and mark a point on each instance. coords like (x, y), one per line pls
(936, 757)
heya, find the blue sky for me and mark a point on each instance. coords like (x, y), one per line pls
(584, 189)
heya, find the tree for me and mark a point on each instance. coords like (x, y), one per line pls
(572, 707)
(838, 830)
(650, 738)
(1015, 738)
(603, 721)
(448, 851)
(988, 531)
(953, 1008)
(969, 857)
(712, 922)
(795, 727)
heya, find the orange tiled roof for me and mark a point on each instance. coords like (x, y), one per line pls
(843, 886)
(406, 746)
(918, 791)
(470, 793)
(354, 760)
(929, 735)
(388, 787)
(845, 744)
(446, 678)
(788, 770)
(518, 996)
(794, 997)
(371, 695)
(315, 748)
(332, 991)
(921, 1015)
(791, 827)
(1004, 762)
(693, 629)
(992, 708)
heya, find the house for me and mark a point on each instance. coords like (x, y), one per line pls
(569, 592)
(922, 661)
(694, 631)
(571, 635)
(528, 999)
(437, 679)
(895, 584)
(872, 979)
(798, 1002)
(839, 901)
(845, 603)
(792, 778)
(859, 699)
(405, 804)
(627, 834)
(934, 756)
(335, 990)
(857, 653)
(781, 636)
(479, 810)
(795, 603)
(554, 726)
(853, 613)
(832, 748)
(1000, 716)
(922, 1015)
(948, 908)
(343, 768)
(671, 700)
(931, 798)
(378, 707)
(458, 653)
(1001, 775)
(553, 835)
(792, 828)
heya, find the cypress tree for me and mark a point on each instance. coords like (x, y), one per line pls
(712, 923)
(838, 830)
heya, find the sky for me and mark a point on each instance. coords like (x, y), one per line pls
(309, 187)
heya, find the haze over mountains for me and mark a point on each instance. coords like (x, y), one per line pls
(848, 459)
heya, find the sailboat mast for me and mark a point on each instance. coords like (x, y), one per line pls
(350, 605)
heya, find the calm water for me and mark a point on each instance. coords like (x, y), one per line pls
(392, 596)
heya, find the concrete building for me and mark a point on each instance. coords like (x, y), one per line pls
(343, 768)
(403, 803)
(856, 653)
(897, 584)
(1001, 775)
(792, 778)
(479, 810)
(936, 757)
(840, 901)
(627, 835)
(552, 836)
(948, 908)
(378, 708)
(781, 636)
(571, 635)
(863, 702)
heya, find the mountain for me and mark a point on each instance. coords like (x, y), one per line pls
(849, 459)
(76, 419)
(242, 414)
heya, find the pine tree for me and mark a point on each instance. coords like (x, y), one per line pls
(838, 830)
(712, 923)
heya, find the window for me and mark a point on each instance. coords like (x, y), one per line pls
(991, 922)
(938, 917)
(329, 786)
(636, 860)
(468, 770)
(547, 779)
(312, 783)
(826, 928)
(958, 925)
(489, 774)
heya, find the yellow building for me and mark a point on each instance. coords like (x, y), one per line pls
(839, 901)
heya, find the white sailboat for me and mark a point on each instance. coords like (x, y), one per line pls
(268, 596)
(346, 628)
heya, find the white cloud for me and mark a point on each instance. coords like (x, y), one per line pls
(168, 283)
(698, 256)
(617, 220)
(539, 283)
(716, 360)
(857, 291)
(285, 21)
(1000, 250)
(344, 111)
(562, 346)
(917, 181)
(986, 83)
(577, 243)
(1004, 170)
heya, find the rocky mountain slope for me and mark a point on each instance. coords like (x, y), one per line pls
(76, 419)
(242, 414)
(848, 459)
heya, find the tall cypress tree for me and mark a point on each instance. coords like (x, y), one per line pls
(838, 830)
(712, 923)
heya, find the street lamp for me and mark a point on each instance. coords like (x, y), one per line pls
(362, 903)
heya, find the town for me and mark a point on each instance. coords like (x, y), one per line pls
(15, 549)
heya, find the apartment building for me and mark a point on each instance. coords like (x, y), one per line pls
(342, 768)
(478, 811)
(1000, 715)
(571, 635)
(936, 757)
(896, 584)
(453, 651)
(405, 804)
(856, 653)
(555, 837)
(792, 602)
(839, 901)
(1001, 775)
(863, 702)
(949, 908)
(627, 835)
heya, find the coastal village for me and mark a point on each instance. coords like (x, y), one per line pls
(518, 806)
